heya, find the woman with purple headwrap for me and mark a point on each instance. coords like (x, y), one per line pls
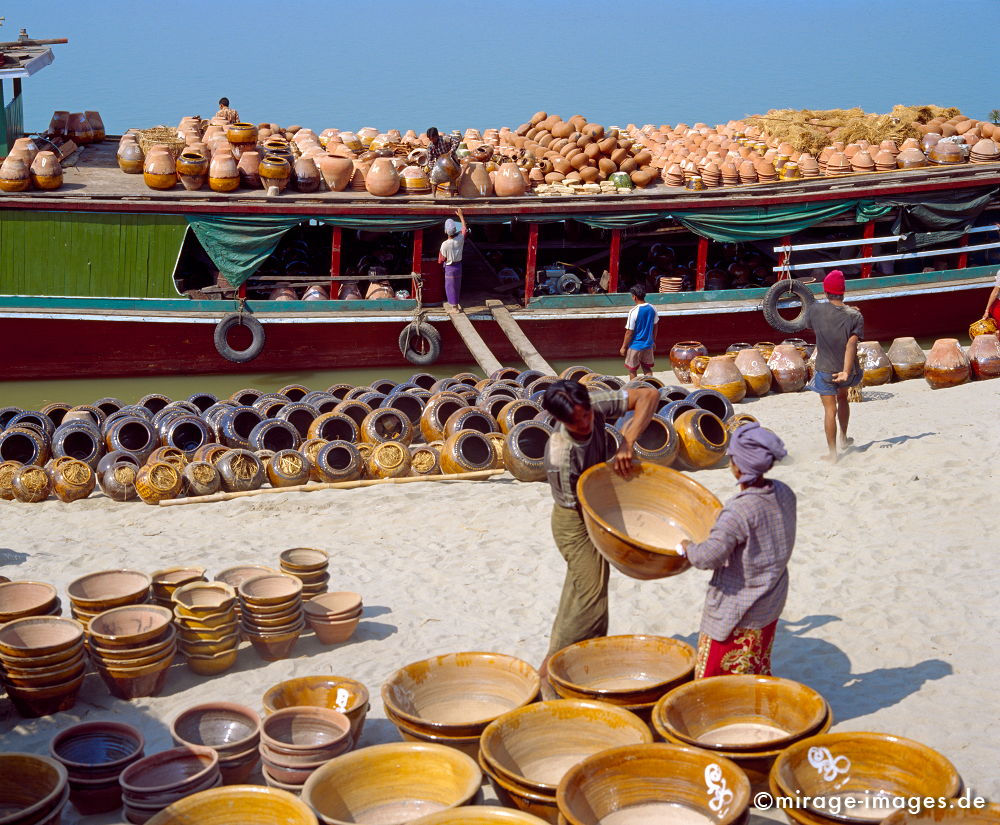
(748, 550)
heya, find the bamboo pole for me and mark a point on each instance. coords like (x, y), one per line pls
(333, 485)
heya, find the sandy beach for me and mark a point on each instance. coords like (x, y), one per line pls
(892, 612)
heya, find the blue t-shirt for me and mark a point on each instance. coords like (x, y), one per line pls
(642, 318)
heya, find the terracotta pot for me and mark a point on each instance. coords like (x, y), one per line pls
(475, 181)
(57, 124)
(875, 363)
(907, 359)
(306, 175)
(274, 170)
(26, 145)
(947, 364)
(984, 356)
(79, 130)
(722, 375)
(96, 125)
(753, 367)
(681, 355)
(130, 157)
(703, 439)
(382, 179)
(46, 171)
(192, 169)
(248, 169)
(159, 171)
(336, 172)
(788, 370)
(697, 367)
(508, 181)
(14, 174)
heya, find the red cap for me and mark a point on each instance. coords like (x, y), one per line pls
(834, 284)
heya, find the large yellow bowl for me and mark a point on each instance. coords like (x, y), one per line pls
(348, 696)
(638, 523)
(243, 804)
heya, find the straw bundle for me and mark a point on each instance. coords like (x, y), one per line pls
(124, 474)
(76, 472)
(166, 135)
(204, 473)
(290, 463)
(243, 467)
(163, 476)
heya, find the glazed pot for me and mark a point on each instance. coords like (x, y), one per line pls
(192, 169)
(722, 375)
(467, 451)
(248, 169)
(508, 182)
(390, 459)
(242, 137)
(336, 172)
(697, 367)
(703, 439)
(788, 370)
(753, 367)
(875, 364)
(159, 171)
(306, 174)
(984, 356)
(681, 355)
(79, 130)
(475, 181)
(382, 179)
(130, 157)
(907, 359)
(96, 125)
(947, 364)
(524, 450)
(14, 174)
(223, 175)
(46, 171)
(274, 170)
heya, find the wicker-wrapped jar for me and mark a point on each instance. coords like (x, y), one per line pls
(30, 483)
(200, 478)
(288, 468)
(240, 470)
(157, 481)
(172, 455)
(7, 470)
(73, 479)
(425, 460)
(390, 459)
(118, 481)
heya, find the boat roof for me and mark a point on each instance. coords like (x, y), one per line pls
(24, 61)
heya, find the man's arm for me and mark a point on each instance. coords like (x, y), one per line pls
(642, 402)
(850, 356)
(629, 335)
(461, 217)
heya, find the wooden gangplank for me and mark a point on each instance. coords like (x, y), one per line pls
(487, 361)
(517, 337)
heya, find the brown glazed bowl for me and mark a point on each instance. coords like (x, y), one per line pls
(270, 589)
(235, 576)
(197, 599)
(480, 815)
(243, 804)
(340, 693)
(535, 745)
(469, 745)
(167, 772)
(44, 701)
(128, 656)
(46, 677)
(513, 795)
(622, 670)
(39, 636)
(334, 605)
(33, 789)
(304, 560)
(97, 750)
(138, 625)
(655, 777)
(333, 632)
(396, 782)
(97, 592)
(458, 694)
(139, 681)
(307, 732)
(21, 599)
(637, 523)
(224, 727)
(741, 712)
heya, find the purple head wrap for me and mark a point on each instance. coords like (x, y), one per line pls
(755, 449)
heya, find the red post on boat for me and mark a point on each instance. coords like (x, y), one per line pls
(418, 256)
(963, 257)
(241, 291)
(701, 264)
(866, 249)
(529, 267)
(783, 259)
(335, 263)
(614, 259)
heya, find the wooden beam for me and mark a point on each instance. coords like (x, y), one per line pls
(487, 361)
(866, 249)
(614, 260)
(532, 262)
(517, 337)
(701, 264)
(335, 261)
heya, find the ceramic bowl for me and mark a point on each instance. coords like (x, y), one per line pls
(21, 599)
(39, 636)
(97, 751)
(225, 727)
(340, 693)
(469, 745)
(741, 712)
(480, 815)
(396, 782)
(135, 682)
(236, 769)
(535, 745)
(459, 693)
(335, 605)
(44, 701)
(269, 589)
(652, 778)
(638, 523)
(168, 772)
(40, 678)
(33, 789)
(333, 632)
(274, 621)
(164, 657)
(206, 624)
(131, 626)
(109, 588)
(171, 578)
(307, 732)
(212, 665)
(127, 655)
(198, 599)
(311, 581)
(245, 804)
(235, 576)
(210, 648)
(271, 782)
(304, 560)
(287, 774)
(97, 796)
(49, 660)
(26, 667)
(515, 796)
(622, 670)
(272, 611)
(273, 647)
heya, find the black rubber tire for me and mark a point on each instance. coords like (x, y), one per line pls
(427, 337)
(222, 341)
(779, 291)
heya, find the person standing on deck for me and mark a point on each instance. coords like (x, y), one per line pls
(579, 443)
(451, 256)
(640, 334)
(992, 304)
(838, 329)
(225, 113)
(748, 548)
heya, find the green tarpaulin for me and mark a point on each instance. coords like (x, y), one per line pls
(925, 221)
(757, 223)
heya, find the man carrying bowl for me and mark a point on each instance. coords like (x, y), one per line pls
(579, 443)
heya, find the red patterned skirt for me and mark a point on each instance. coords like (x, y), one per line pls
(746, 650)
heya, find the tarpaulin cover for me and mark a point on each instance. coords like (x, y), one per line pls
(928, 220)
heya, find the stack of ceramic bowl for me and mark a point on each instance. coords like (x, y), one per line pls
(674, 175)
(334, 616)
(94, 755)
(862, 161)
(22, 599)
(526, 752)
(837, 164)
(235, 576)
(133, 648)
(156, 781)
(711, 175)
(297, 741)
(748, 719)
(43, 663)
(205, 612)
(271, 614)
(232, 731)
(33, 789)
(450, 699)
(347, 696)
(985, 151)
(808, 166)
(165, 582)
(97, 592)
(310, 566)
(670, 284)
(245, 804)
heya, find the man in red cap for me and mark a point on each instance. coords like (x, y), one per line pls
(838, 329)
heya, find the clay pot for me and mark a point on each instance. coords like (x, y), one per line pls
(223, 175)
(336, 172)
(159, 171)
(947, 364)
(46, 171)
(242, 137)
(192, 169)
(681, 355)
(508, 182)
(697, 366)
(57, 124)
(875, 363)
(130, 157)
(247, 168)
(274, 170)
(788, 370)
(703, 439)
(382, 179)
(475, 182)
(907, 359)
(722, 375)
(96, 125)
(14, 174)
(26, 145)
(79, 130)
(984, 356)
(306, 175)
(753, 367)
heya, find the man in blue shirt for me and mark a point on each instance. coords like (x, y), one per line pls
(640, 334)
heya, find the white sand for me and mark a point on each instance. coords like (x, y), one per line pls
(892, 614)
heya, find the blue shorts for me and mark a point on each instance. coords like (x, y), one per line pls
(824, 384)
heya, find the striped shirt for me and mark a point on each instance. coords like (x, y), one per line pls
(567, 457)
(748, 549)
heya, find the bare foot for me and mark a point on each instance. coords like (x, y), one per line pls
(831, 457)
(846, 442)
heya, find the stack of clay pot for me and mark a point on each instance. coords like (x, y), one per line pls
(296, 741)
(23, 599)
(94, 593)
(985, 151)
(94, 755)
(231, 730)
(271, 613)
(205, 614)
(308, 565)
(42, 663)
(133, 648)
(166, 582)
(334, 616)
(152, 783)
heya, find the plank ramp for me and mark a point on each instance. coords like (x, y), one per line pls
(487, 361)
(517, 337)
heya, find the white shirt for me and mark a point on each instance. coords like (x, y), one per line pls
(451, 249)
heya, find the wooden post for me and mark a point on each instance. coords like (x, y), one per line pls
(614, 260)
(532, 262)
(866, 249)
(241, 291)
(335, 263)
(963, 257)
(418, 256)
(701, 264)
(784, 257)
